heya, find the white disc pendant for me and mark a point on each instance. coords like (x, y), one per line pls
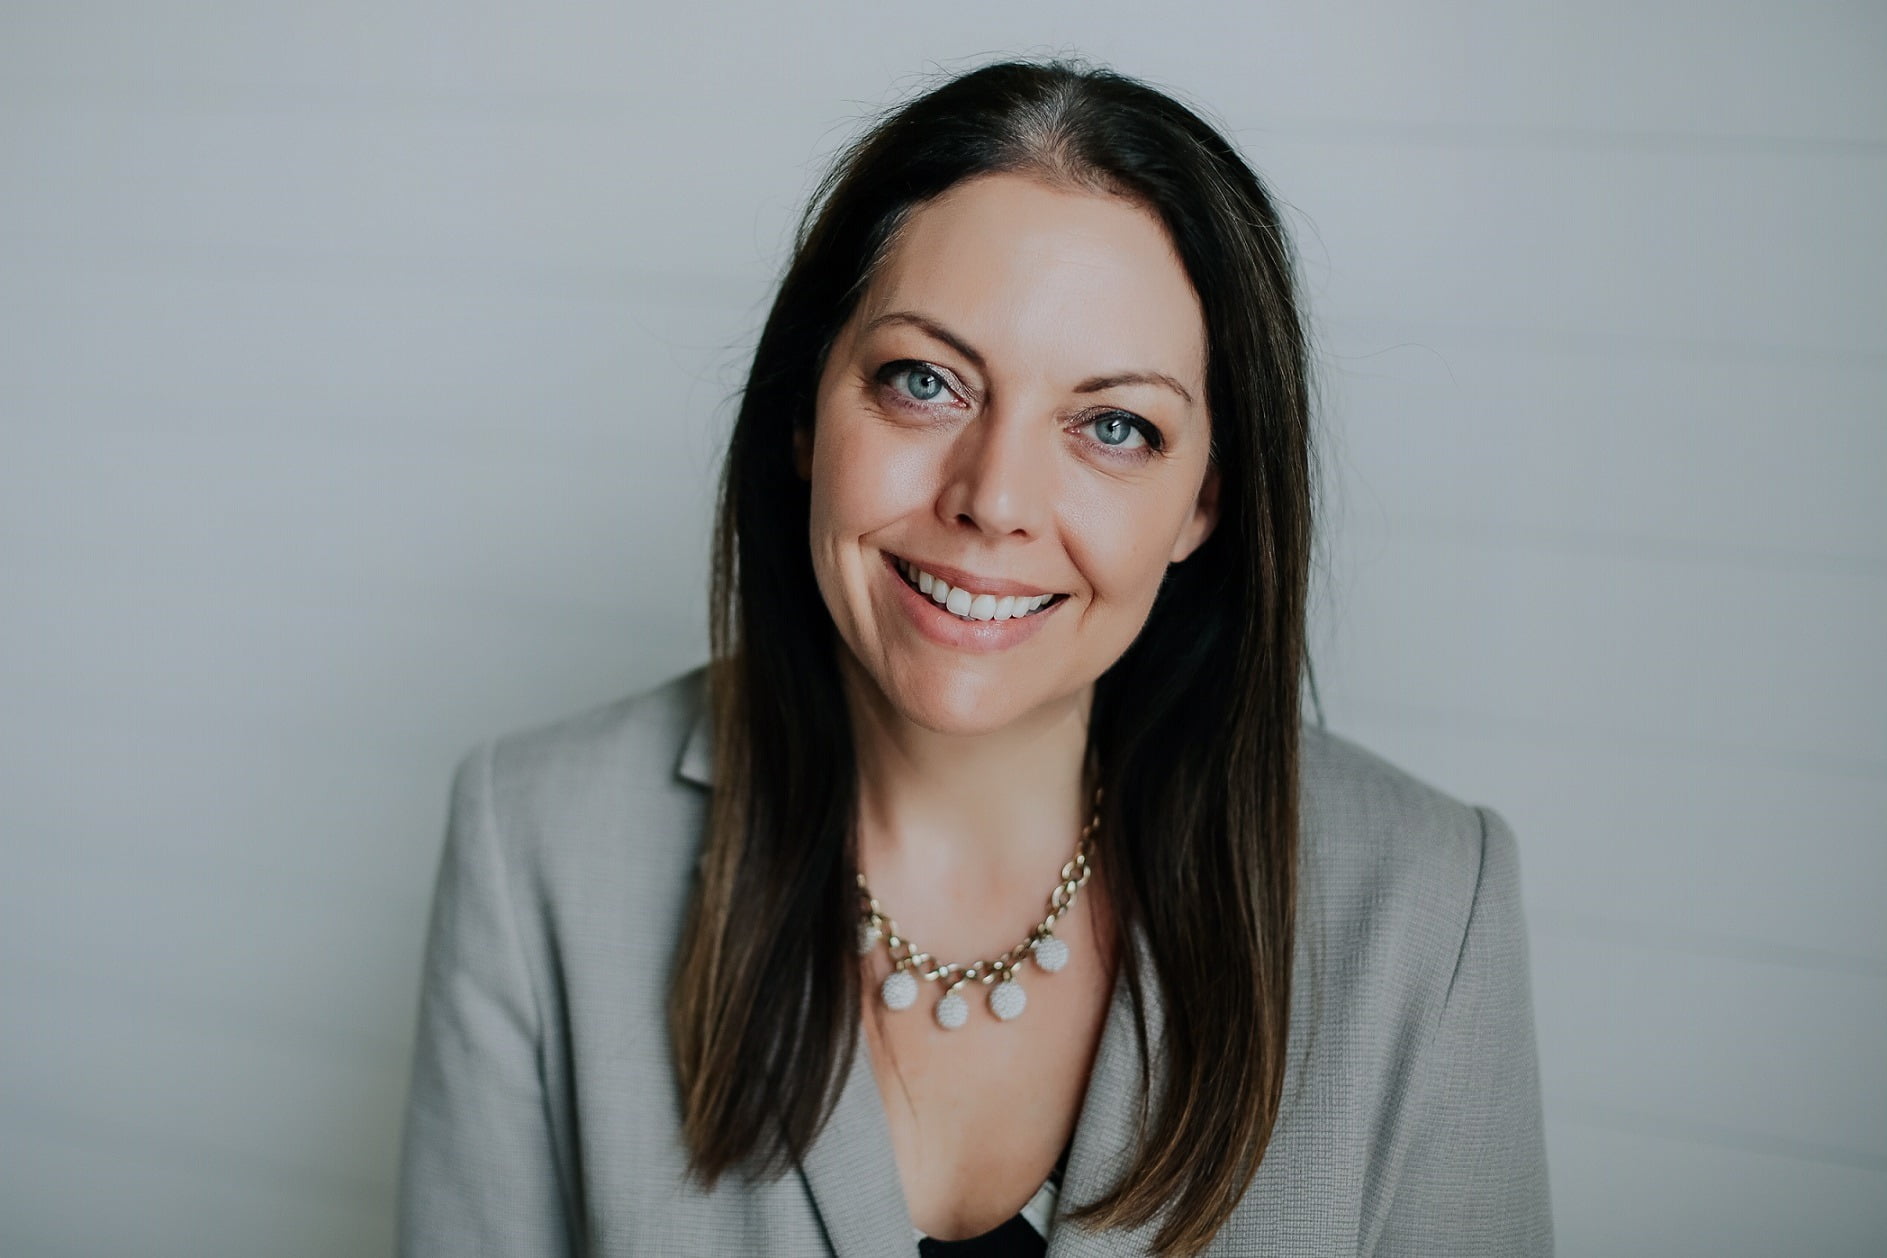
(899, 990)
(952, 1011)
(867, 938)
(1007, 999)
(1050, 953)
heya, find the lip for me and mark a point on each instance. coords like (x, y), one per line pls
(958, 578)
(946, 629)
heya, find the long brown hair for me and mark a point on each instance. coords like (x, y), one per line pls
(1195, 728)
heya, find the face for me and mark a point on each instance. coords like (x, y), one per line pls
(1015, 409)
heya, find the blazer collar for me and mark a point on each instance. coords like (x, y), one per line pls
(1108, 1131)
(851, 1171)
(696, 763)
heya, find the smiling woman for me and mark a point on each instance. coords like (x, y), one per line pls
(1007, 625)
(1002, 461)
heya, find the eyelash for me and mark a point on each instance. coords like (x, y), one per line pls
(1155, 442)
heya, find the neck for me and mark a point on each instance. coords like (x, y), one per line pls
(950, 808)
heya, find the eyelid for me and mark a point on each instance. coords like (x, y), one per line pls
(1155, 443)
(951, 380)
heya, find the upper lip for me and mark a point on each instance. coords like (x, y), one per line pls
(961, 580)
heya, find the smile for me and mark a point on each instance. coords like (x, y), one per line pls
(966, 602)
(962, 617)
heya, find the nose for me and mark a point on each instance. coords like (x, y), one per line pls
(1001, 475)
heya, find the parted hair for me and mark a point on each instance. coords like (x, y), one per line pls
(1194, 730)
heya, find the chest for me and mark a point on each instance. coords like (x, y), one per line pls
(979, 1115)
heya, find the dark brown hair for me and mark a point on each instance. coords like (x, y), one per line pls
(1194, 729)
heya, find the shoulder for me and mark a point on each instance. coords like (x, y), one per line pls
(591, 806)
(1357, 807)
(1395, 867)
(1411, 1085)
(631, 741)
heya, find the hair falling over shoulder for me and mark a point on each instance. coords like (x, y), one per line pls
(1195, 729)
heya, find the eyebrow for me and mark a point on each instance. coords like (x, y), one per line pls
(1093, 384)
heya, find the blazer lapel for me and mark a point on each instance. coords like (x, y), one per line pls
(852, 1173)
(849, 1170)
(1108, 1130)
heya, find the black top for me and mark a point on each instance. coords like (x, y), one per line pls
(1012, 1239)
(1015, 1237)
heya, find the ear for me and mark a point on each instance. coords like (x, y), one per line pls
(802, 451)
(1204, 516)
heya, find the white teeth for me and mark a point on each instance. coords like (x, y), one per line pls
(972, 606)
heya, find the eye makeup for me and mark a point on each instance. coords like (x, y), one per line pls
(887, 377)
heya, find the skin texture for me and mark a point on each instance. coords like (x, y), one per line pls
(970, 760)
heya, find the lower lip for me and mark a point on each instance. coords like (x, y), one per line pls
(948, 629)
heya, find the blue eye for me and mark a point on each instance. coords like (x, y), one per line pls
(919, 372)
(1115, 430)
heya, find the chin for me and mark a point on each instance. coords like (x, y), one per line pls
(955, 701)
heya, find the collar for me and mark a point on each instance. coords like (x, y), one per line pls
(696, 763)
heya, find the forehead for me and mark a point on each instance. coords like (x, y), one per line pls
(1046, 280)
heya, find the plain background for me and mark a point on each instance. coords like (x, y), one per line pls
(364, 369)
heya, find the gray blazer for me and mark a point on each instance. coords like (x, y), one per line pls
(543, 1118)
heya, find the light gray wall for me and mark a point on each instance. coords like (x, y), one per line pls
(363, 369)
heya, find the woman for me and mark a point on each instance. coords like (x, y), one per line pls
(985, 894)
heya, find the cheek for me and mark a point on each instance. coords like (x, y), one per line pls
(863, 479)
(1122, 548)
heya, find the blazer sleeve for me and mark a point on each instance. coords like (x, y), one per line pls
(1473, 1183)
(478, 1171)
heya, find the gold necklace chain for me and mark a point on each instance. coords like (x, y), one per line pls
(1006, 997)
